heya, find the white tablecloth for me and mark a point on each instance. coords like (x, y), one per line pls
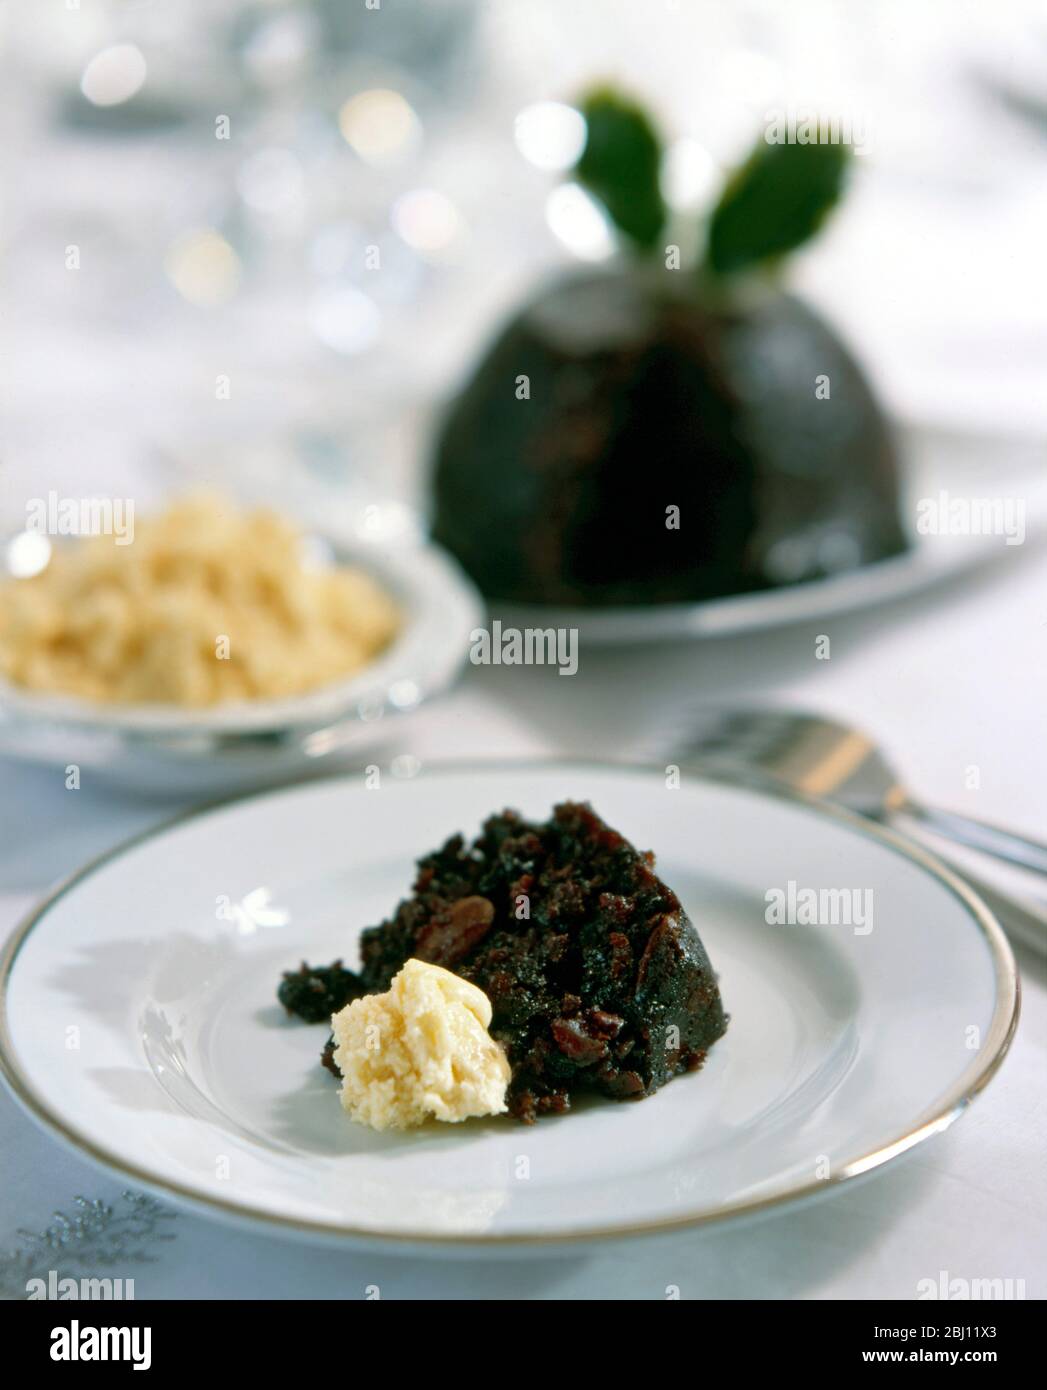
(947, 680)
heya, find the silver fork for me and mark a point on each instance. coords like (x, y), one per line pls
(835, 762)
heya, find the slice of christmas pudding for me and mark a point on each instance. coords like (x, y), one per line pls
(597, 978)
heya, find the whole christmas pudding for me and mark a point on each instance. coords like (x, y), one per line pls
(654, 434)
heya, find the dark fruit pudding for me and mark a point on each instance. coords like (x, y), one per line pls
(665, 432)
(597, 977)
(643, 398)
(314, 993)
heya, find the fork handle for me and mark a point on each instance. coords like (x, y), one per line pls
(1024, 921)
(1022, 918)
(976, 834)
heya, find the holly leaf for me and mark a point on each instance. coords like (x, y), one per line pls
(774, 202)
(620, 162)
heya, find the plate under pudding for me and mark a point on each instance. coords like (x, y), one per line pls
(845, 1047)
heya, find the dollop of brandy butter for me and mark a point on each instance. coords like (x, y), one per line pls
(420, 1051)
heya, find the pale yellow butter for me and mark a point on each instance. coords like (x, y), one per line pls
(420, 1051)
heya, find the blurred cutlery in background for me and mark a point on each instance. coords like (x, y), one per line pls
(824, 758)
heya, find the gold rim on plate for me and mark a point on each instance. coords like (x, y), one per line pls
(1001, 1032)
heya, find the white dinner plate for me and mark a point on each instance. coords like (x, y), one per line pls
(139, 1020)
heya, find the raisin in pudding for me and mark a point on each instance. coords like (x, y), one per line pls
(596, 977)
